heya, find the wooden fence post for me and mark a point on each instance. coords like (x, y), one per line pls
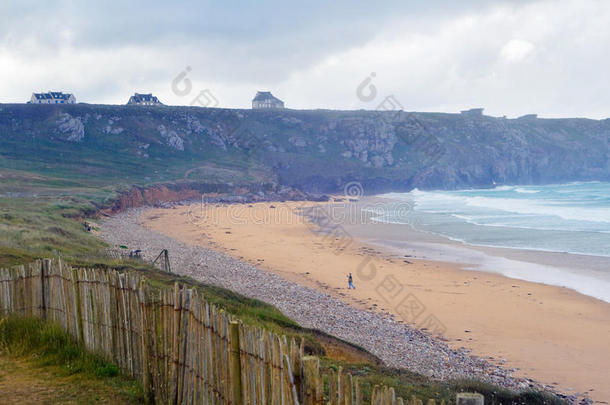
(185, 307)
(174, 352)
(348, 390)
(146, 383)
(391, 396)
(77, 303)
(167, 265)
(467, 398)
(357, 393)
(236, 364)
(340, 380)
(332, 387)
(289, 376)
(44, 269)
(311, 380)
(374, 395)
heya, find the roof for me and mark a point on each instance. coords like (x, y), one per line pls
(473, 111)
(138, 98)
(265, 95)
(52, 95)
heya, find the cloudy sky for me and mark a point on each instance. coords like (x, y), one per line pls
(550, 57)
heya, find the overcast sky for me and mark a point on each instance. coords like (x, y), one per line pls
(550, 57)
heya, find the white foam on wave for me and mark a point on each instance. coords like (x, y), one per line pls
(541, 207)
(431, 201)
(499, 221)
(526, 191)
(503, 188)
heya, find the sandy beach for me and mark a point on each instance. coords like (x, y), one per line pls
(551, 334)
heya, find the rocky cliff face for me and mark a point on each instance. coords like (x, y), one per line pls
(70, 128)
(314, 150)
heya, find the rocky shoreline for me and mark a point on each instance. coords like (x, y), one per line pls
(166, 195)
(397, 344)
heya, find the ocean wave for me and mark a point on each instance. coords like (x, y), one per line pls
(587, 202)
(526, 191)
(500, 222)
(542, 207)
(452, 203)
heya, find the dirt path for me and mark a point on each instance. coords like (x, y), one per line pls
(23, 382)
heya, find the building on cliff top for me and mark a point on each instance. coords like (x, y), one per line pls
(476, 112)
(264, 99)
(143, 99)
(52, 97)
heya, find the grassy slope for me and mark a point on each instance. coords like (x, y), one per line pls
(30, 142)
(38, 361)
(46, 226)
(22, 381)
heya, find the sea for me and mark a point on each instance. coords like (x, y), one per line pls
(571, 219)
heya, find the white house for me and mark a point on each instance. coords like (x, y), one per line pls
(52, 97)
(143, 99)
(264, 99)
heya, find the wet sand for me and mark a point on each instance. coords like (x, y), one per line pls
(551, 334)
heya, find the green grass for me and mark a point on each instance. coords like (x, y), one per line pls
(407, 383)
(46, 226)
(50, 346)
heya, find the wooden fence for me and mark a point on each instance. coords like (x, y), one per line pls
(182, 349)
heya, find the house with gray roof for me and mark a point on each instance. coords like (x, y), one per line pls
(266, 100)
(52, 97)
(473, 112)
(143, 99)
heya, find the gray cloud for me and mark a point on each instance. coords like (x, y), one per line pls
(510, 56)
(137, 22)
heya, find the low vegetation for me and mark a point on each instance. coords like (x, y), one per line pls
(407, 384)
(29, 345)
(46, 226)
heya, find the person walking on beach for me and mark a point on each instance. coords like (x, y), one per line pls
(350, 282)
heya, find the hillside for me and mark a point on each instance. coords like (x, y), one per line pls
(100, 145)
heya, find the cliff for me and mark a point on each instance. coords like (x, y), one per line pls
(317, 151)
